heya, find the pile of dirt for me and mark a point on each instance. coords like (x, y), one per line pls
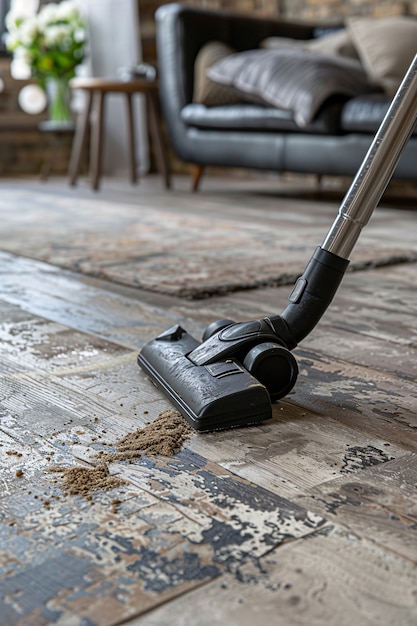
(165, 435)
(85, 480)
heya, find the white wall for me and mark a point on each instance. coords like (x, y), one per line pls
(114, 36)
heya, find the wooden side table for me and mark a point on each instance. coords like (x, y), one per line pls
(96, 89)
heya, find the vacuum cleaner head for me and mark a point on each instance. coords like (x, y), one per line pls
(215, 393)
(234, 374)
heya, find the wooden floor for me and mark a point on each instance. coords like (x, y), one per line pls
(307, 519)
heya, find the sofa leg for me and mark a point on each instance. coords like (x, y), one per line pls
(197, 172)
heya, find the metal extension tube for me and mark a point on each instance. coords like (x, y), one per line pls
(377, 168)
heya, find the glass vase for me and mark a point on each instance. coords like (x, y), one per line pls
(58, 94)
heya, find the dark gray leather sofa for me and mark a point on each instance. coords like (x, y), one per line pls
(257, 136)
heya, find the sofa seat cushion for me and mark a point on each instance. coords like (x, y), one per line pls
(364, 114)
(255, 117)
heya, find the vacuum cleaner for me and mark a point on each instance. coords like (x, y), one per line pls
(232, 377)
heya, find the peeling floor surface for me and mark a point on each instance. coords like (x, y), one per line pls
(307, 519)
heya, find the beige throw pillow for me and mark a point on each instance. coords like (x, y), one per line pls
(386, 48)
(207, 91)
(276, 43)
(339, 43)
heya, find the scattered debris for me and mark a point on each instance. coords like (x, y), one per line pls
(165, 435)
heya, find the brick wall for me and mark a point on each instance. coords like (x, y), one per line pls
(332, 10)
(23, 146)
(336, 9)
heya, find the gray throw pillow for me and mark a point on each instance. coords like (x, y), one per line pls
(292, 79)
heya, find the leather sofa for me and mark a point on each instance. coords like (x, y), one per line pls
(252, 135)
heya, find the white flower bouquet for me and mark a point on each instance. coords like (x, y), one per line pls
(51, 42)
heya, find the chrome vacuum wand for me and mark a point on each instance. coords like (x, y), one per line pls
(356, 209)
(232, 376)
(377, 168)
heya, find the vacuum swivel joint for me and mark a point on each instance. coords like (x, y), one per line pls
(256, 346)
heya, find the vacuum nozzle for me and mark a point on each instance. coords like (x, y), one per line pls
(229, 379)
(233, 375)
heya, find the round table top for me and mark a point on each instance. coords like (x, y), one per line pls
(113, 84)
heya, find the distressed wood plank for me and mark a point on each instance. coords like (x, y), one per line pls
(98, 566)
(67, 298)
(379, 504)
(366, 399)
(331, 577)
(376, 354)
(191, 522)
(35, 343)
(296, 451)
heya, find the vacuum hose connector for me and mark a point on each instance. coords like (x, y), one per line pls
(310, 297)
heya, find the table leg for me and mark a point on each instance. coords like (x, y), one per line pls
(160, 153)
(47, 158)
(97, 138)
(79, 141)
(131, 140)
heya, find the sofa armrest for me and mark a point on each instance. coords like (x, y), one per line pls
(181, 31)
